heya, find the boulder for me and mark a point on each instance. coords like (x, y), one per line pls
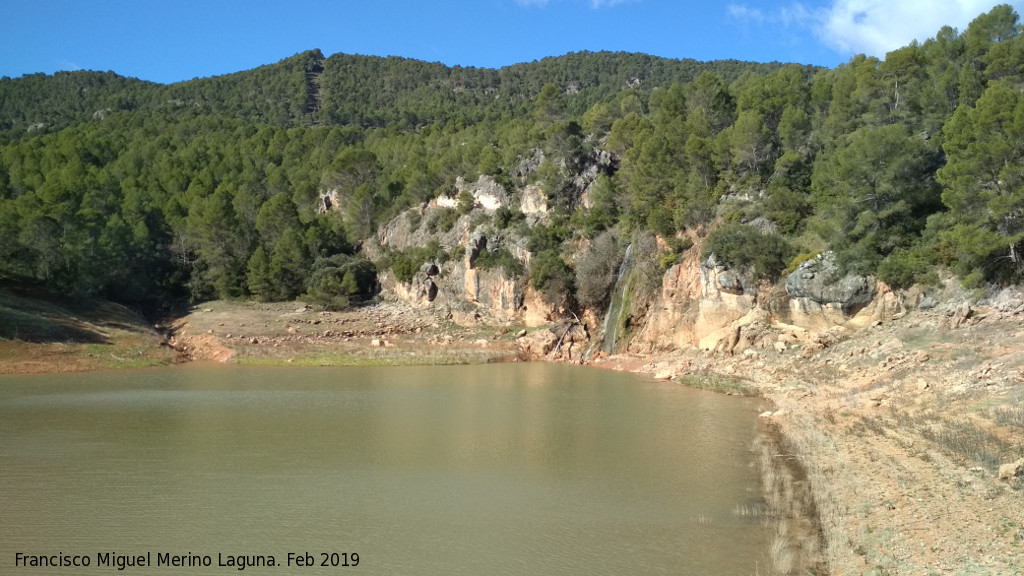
(538, 343)
(1012, 470)
(962, 313)
(729, 281)
(818, 280)
(820, 297)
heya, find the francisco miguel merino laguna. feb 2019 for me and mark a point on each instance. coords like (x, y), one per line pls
(236, 561)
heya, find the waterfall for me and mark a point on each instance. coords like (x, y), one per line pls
(611, 319)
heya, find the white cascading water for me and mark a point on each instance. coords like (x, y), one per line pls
(611, 319)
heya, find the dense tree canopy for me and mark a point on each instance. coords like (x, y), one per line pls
(263, 183)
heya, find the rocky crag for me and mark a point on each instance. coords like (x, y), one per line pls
(700, 303)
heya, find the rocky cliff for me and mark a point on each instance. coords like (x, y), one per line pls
(701, 302)
(706, 305)
(455, 278)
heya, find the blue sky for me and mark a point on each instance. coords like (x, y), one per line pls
(172, 41)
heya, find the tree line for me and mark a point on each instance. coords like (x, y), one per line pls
(150, 194)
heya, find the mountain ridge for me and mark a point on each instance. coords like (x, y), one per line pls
(279, 93)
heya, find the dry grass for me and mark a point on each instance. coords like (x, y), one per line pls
(963, 439)
(718, 383)
(1009, 415)
(797, 544)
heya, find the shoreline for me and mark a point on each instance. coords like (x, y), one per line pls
(880, 453)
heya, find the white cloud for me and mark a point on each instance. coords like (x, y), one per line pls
(795, 14)
(872, 27)
(745, 13)
(875, 27)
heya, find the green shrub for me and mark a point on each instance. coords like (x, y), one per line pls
(905, 267)
(500, 258)
(798, 260)
(547, 237)
(694, 215)
(405, 264)
(442, 220)
(505, 217)
(787, 209)
(466, 203)
(341, 280)
(414, 219)
(743, 246)
(660, 222)
(550, 276)
(679, 244)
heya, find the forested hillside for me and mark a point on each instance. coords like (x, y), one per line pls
(148, 194)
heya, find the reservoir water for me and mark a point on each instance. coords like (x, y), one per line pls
(514, 469)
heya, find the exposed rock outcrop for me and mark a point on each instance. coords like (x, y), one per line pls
(820, 297)
(567, 341)
(725, 299)
(713, 307)
(702, 303)
(486, 192)
(460, 284)
(421, 291)
(534, 203)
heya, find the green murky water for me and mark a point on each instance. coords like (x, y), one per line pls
(480, 470)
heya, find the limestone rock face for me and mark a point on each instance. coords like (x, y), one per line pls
(421, 291)
(535, 311)
(411, 229)
(528, 166)
(493, 289)
(818, 281)
(702, 303)
(534, 202)
(329, 200)
(599, 162)
(487, 193)
(671, 319)
(458, 284)
(725, 298)
(707, 305)
(819, 297)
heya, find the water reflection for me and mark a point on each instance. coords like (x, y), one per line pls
(508, 469)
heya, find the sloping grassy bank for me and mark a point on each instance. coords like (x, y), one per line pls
(43, 332)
